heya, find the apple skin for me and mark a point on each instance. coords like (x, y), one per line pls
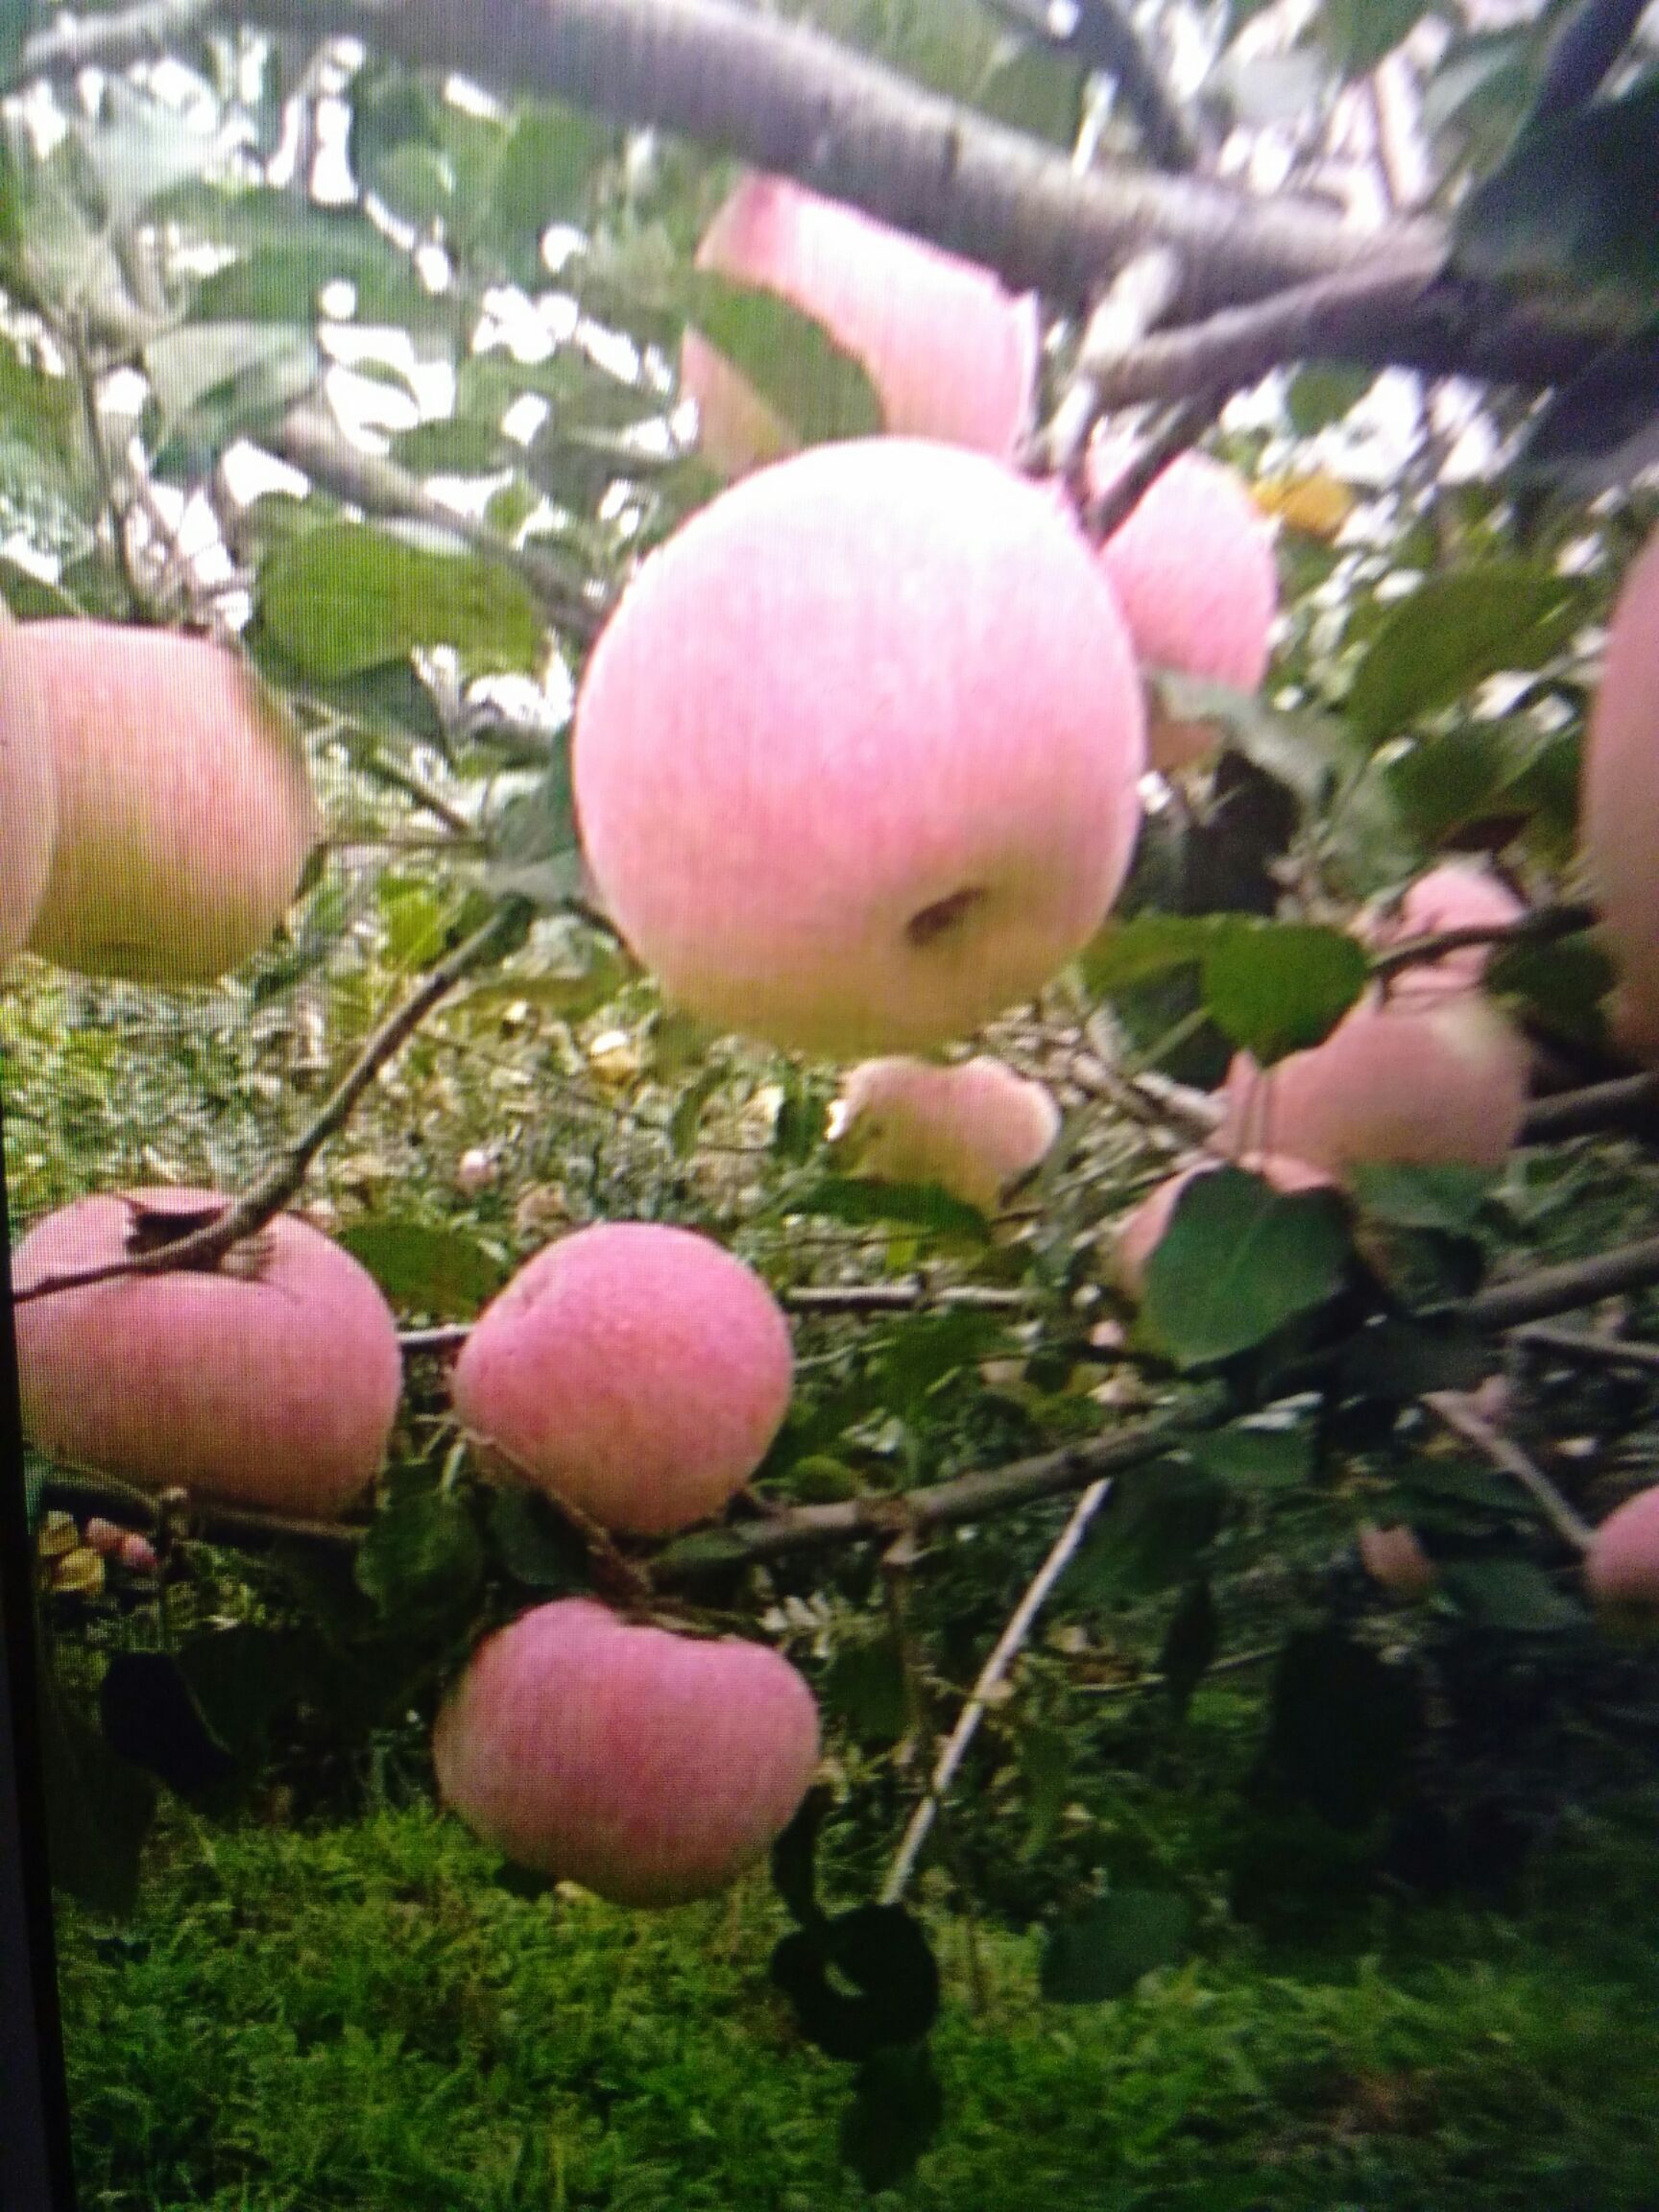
(856, 757)
(650, 1767)
(28, 793)
(1458, 895)
(1396, 1561)
(636, 1371)
(974, 1129)
(185, 814)
(1139, 1233)
(951, 354)
(1620, 803)
(1194, 571)
(1413, 1081)
(1621, 1565)
(272, 1383)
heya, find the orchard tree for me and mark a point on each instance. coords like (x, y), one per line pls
(869, 1001)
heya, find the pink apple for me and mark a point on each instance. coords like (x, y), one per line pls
(974, 1129)
(857, 757)
(1194, 571)
(186, 813)
(1412, 1080)
(1622, 1567)
(1396, 1561)
(636, 1371)
(272, 1381)
(1458, 895)
(1621, 803)
(651, 1768)
(1139, 1233)
(28, 793)
(950, 354)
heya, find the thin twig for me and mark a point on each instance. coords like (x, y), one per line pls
(1549, 1290)
(1138, 297)
(1175, 432)
(1235, 1664)
(1597, 1106)
(1005, 1652)
(247, 1215)
(1586, 48)
(1456, 1413)
(1583, 1348)
(1544, 927)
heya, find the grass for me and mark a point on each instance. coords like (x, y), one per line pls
(363, 2017)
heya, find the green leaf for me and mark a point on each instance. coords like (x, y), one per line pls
(1191, 1642)
(1256, 1455)
(534, 850)
(441, 1272)
(1453, 633)
(897, 2110)
(1325, 394)
(1447, 1197)
(864, 1687)
(421, 1558)
(1512, 1595)
(1463, 779)
(1046, 1763)
(819, 390)
(1572, 209)
(1358, 34)
(99, 1810)
(215, 382)
(543, 177)
(921, 1205)
(1104, 1953)
(1561, 988)
(1154, 1532)
(349, 597)
(534, 1543)
(928, 1348)
(1124, 953)
(1280, 987)
(884, 1953)
(1238, 1262)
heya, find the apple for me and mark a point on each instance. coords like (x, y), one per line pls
(1396, 1561)
(270, 1381)
(1194, 571)
(1621, 1565)
(637, 1372)
(185, 814)
(1620, 803)
(857, 757)
(1139, 1233)
(28, 793)
(1458, 895)
(950, 353)
(974, 1129)
(649, 1766)
(1413, 1080)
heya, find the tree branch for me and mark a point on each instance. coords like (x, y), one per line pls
(246, 1216)
(1597, 1106)
(1560, 1289)
(1586, 49)
(1583, 1349)
(1138, 297)
(1543, 926)
(1467, 1421)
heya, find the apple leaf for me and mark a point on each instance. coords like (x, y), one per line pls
(440, 1272)
(1280, 987)
(1238, 1262)
(1104, 1953)
(1358, 34)
(1453, 633)
(819, 389)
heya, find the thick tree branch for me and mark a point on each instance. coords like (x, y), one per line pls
(1586, 49)
(246, 1216)
(1597, 1106)
(1561, 1290)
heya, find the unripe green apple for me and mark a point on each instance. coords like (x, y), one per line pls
(272, 1381)
(1621, 803)
(974, 1129)
(856, 757)
(28, 793)
(1140, 1233)
(952, 355)
(650, 1767)
(636, 1371)
(185, 814)
(1621, 1565)
(1195, 571)
(1417, 1081)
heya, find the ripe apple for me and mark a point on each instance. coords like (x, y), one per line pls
(1620, 803)
(1195, 575)
(1139, 1233)
(952, 355)
(185, 814)
(1413, 1080)
(636, 1371)
(1458, 895)
(974, 1129)
(649, 1766)
(857, 757)
(272, 1381)
(28, 793)
(1621, 1565)
(1396, 1561)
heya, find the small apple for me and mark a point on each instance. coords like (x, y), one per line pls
(649, 1766)
(637, 1372)
(1396, 1561)
(857, 757)
(1621, 1565)
(952, 355)
(974, 1129)
(1620, 804)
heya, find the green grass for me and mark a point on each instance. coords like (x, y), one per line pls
(363, 2017)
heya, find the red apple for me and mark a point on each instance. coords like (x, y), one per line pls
(28, 793)
(974, 1129)
(1458, 895)
(1621, 803)
(1396, 1561)
(1622, 1567)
